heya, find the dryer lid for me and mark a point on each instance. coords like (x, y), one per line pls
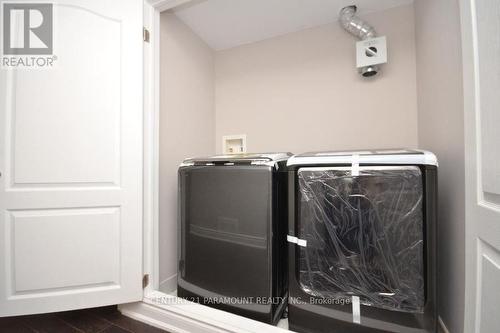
(387, 156)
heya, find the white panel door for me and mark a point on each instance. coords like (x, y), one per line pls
(481, 54)
(71, 165)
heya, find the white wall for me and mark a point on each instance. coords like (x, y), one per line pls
(441, 129)
(187, 124)
(301, 91)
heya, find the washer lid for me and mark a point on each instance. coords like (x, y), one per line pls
(256, 159)
(389, 156)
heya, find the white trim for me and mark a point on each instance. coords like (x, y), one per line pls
(162, 5)
(151, 145)
(473, 194)
(443, 327)
(180, 316)
(164, 320)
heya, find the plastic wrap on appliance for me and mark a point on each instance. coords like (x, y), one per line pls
(364, 235)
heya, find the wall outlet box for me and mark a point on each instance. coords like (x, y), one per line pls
(371, 52)
(234, 144)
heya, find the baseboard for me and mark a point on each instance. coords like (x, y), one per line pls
(169, 284)
(165, 320)
(166, 312)
(442, 326)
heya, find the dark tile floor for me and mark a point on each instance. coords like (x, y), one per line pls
(98, 320)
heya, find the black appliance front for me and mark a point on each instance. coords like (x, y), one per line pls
(232, 253)
(371, 237)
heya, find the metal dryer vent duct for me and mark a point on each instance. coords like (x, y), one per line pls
(362, 30)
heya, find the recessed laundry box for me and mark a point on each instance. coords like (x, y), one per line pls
(233, 221)
(362, 242)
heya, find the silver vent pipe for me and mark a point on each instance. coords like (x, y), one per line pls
(362, 30)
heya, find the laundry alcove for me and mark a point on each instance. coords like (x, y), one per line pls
(281, 74)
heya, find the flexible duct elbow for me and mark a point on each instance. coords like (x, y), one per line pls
(355, 25)
(360, 29)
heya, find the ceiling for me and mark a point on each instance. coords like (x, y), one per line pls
(224, 24)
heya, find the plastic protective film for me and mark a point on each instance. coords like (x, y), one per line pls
(364, 235)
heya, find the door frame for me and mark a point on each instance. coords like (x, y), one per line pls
(152, 140)
(159, 309)
(469, 65)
